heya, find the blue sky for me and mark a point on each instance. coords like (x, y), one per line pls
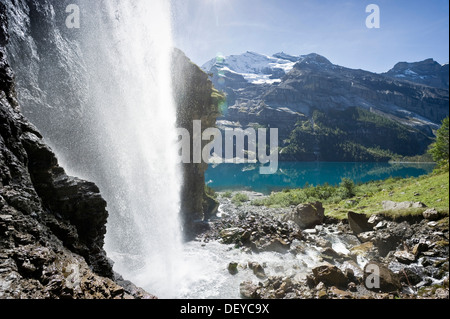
(410, 30)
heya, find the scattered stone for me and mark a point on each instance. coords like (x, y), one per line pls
(404, 257)
(340, 294)
(233, 268)
(441, 293)
(419, 248)
(330, 252)
(367, 236)
(230, 234)
(432, 224)
(352, 287)
(375, 219)
(248, 290)
(363, 249)
(258, 270)
(322, 294)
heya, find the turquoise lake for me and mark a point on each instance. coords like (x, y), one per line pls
(296, 174)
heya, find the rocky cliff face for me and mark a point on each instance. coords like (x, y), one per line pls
(319, 106)
(196, 99)
(42, 48)
(52, 226)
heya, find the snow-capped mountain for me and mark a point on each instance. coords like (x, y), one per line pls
(253, 67)
(327, 109)
(257, 68)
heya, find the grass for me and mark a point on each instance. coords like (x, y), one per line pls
(432, 190)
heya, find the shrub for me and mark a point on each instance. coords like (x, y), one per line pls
(439, 150)
(348, 188)
(227, 194)
(240, 198)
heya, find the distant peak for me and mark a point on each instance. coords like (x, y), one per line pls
(285, 56)
(318, 58)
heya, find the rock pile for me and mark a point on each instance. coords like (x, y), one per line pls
(357, 258)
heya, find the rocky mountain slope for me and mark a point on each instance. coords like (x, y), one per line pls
(329, 112)
(52, 226)
(427, 72)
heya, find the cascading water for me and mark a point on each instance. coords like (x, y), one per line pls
(128, 52)
(101, 94)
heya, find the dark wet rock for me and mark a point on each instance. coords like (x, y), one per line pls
(419, 248)
(233, 268)
(359, 223)
(331, 255)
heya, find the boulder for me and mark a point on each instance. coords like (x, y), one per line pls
(248, 290)
(419, 248)
(230, 235)
(388, 281)
(330, 276)
(359, 223)
(431, 214)
(390, 205)
(258, 270)
(404, 257)
(232, 268)
(367, 236)
(307, 216)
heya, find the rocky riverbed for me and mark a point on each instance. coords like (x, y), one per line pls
(322, 257)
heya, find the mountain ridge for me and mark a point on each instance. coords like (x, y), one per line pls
(286, 91)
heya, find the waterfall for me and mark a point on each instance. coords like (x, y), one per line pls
(101, 94)
(128, 52)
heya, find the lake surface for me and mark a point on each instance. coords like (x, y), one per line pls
(296, 174)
